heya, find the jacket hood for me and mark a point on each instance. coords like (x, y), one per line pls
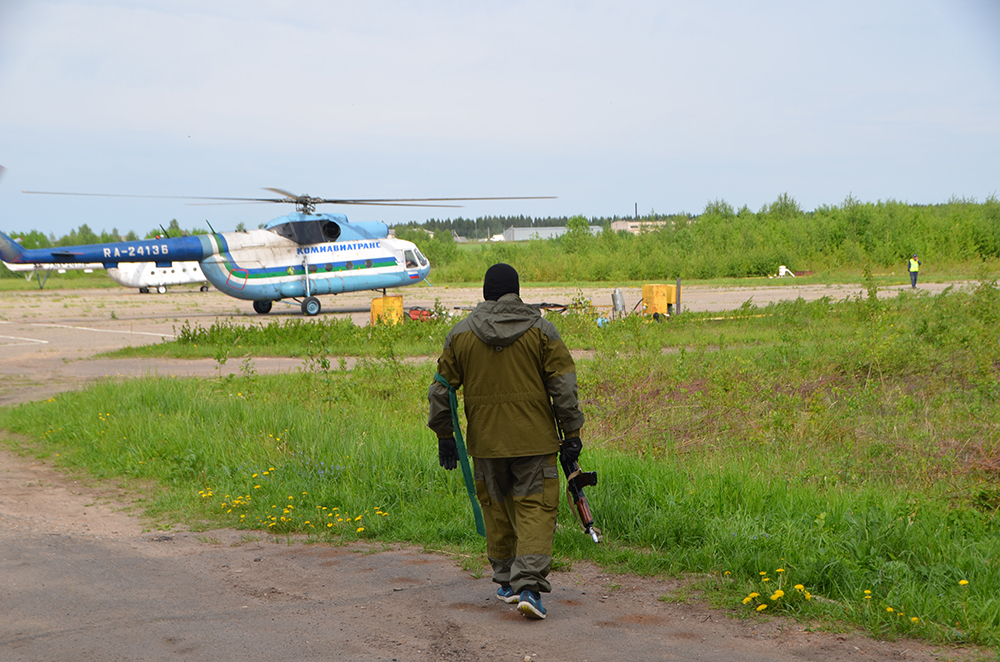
(501, 322)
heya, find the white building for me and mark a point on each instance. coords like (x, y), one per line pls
(635, 226)
(526, 234)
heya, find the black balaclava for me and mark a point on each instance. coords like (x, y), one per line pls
(500, 279)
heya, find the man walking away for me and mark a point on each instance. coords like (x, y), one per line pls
(516, 371)
(914, 270)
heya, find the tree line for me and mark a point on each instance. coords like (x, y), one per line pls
(721, 242)
(83, 235)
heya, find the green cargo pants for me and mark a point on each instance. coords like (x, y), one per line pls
(520, 501)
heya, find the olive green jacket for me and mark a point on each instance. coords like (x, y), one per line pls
(510, 361)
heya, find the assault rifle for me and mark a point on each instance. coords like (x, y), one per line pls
(576, 480)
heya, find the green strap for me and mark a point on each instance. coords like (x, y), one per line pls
(463, 457)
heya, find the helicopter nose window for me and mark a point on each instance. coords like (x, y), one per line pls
(420, 257)
(411, 260)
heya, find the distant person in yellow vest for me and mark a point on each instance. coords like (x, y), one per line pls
(914, 270)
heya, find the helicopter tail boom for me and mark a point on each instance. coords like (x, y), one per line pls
(11, 251)
(160, 251)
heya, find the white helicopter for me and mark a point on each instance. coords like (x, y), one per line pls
(144, 276)
(297, 257)
(147, 276)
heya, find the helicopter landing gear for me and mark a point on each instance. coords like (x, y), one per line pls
(262, 307)
(162, 289)
(310, 306)
(143, 290)
(204, 288)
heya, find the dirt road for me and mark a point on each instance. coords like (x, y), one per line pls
(80, 578)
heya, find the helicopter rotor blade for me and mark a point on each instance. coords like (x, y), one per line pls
(301, 199)
(366, 201)
(221, 204)
(155, 197)
(380, 204)
(282, 192)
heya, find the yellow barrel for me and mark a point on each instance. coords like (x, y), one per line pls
(387, 310)
(658, 299)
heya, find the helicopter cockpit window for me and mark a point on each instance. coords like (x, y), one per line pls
(331, 231)
(420, 257)
(308, 232)
(411, 260)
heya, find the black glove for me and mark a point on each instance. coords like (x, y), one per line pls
(571, 447)
(448, 453)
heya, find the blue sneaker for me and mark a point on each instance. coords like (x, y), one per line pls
(507, 594)
(531, 605)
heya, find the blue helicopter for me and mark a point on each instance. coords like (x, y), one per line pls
(298, 256)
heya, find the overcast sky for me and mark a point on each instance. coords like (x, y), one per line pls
(607, 105)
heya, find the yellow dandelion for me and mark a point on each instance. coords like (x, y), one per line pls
(778, 594)
(763, 573)
(329, 525)
(767, 579)
(809, 595)
(780, 570)
(867, 592)
(800, 587)
(358, 518)
(890, 609)
(914, 620)
(754, 594)
(963, 582)
(256, 487)
(762, 608)
(360, 529)
(254, 476)
(747, 600)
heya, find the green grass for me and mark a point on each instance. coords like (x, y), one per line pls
(853, 446)
(71, 280)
